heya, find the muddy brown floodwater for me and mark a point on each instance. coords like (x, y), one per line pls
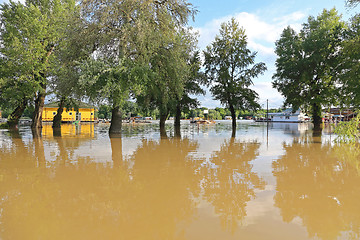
(281, 182)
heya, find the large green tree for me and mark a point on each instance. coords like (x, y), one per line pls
(30, 34)
(308, 61)
(171, 68)
(132, 35)
(349, 93)
(230, 67)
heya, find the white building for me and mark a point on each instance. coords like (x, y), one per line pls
(288, 116)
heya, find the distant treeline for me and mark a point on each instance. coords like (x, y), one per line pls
(131, 109)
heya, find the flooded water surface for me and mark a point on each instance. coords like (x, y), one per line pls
(280, 182)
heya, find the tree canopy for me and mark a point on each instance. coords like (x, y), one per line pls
(308, 63)
(230, 67)
(30, 34)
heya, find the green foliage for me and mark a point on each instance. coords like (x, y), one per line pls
(193, 80)
(30, 35)
(104, 112)
(348, 132)
(230, 68)
(109, 80)
(352, 3)
(139, 53)
(172, 78)
(307, 63)
(349, 93)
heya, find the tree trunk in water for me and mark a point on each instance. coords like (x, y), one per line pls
(163, 117)
(116, 122)
(316, 112)
(177, 121)
(57, 131)
(233, 119)
(39, 106)
(14, 117)
(58, 116)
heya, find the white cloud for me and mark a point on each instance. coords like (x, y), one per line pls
(266, 92)
(262, 34)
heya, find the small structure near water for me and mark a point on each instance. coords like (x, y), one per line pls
(85, 113)
(286, 116)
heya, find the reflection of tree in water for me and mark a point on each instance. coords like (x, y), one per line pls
(81, 199)
(229, 182)
(320, 188)
(168, 186)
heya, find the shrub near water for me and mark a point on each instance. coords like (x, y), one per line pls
(348, 132)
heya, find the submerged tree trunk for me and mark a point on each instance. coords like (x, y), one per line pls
(233, 119)
(177, 121)
(39, 106)
(316, 114)
(116, 121)
(163, 117)
(14, 117)
(57, 118)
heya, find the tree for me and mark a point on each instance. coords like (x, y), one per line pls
(132, 35)
(349, 93)
(191, 87)
(64, 82)
(307, 63)
(170, 73)
(230, 67)
(30, 34)
(104, 79)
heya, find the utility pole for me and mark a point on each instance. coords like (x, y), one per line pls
(267, 123)
(267, 110)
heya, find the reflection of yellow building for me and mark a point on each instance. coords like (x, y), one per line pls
(71, 130)
(85, 113)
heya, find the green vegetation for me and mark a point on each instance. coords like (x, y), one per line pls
(307, 63)
(141, 58)
(230, 67)
(31, 33)
(348, 132)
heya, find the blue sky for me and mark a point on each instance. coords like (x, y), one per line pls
(263, 22)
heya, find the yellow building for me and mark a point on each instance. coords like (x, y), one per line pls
(85, 113)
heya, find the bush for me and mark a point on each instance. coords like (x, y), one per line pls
(348, 132)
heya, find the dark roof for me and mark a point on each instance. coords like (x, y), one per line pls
(79, 105)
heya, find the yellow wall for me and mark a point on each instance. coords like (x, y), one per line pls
(87, 114)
